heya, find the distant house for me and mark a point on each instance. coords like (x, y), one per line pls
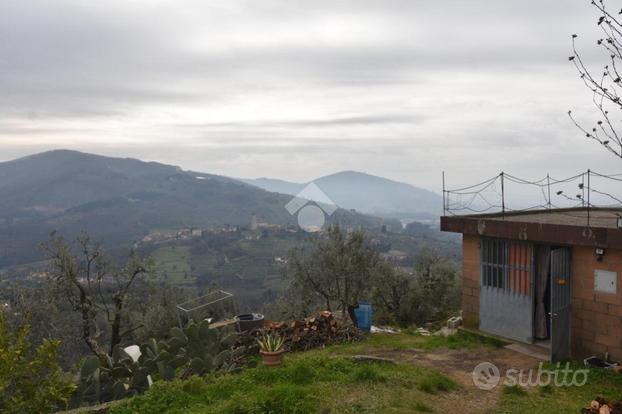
(395, 256)
(546, 277)
(197, 232)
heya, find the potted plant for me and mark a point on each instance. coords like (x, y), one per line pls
(271, 349)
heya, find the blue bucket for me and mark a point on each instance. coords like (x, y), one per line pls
(363, 315)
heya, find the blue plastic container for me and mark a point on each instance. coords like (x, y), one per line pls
(363, 315)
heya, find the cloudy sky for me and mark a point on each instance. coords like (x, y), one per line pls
(298, 89)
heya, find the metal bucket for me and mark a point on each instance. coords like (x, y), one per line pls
(249, 321)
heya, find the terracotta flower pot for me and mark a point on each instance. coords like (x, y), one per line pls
(272, 359)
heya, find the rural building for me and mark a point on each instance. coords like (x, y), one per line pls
(547, 277)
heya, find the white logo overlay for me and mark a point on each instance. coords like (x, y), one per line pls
(312, 206)
(486, 376)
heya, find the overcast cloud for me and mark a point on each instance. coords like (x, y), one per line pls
(297, 89)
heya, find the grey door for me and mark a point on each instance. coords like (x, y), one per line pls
(506, 290)
(560, 304)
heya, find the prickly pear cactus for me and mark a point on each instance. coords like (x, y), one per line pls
(198, 348)
(195, 350)
(113, 377)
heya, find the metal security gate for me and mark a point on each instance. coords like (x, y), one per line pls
(560, 304)
(507, 289)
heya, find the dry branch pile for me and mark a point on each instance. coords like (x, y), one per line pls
(313, 332)
(602, 406)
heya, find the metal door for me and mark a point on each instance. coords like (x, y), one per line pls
(506, 289)
(560, 304)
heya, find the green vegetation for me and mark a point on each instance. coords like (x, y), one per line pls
(310, 382)
(271, 342)
(173, 264)
(81, 272)
(195, 350)
(435, 382)
(329, 381)
(560, 400)
(31, 381)
(514, 390)
(409, 341)
(340, 270)
(248, 267)
(431, 291)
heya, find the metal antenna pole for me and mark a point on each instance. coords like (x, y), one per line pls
(588, 197)
(548, 186)
(444, 205)
(583, 189)
(502, 195)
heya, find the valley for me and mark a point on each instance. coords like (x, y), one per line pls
(201, 230)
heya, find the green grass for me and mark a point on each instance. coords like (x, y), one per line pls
(560, 400)
(433, 383)
(514, 390)
(406, 341)
(329, 381)
(311, 382)
(173, 264)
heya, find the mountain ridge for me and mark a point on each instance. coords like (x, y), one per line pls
(120, 200)
(367, 193)
(116, 199)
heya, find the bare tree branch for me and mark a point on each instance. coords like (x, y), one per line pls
(84, 279)
(604, 84)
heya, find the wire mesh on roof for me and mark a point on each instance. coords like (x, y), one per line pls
(508, 193)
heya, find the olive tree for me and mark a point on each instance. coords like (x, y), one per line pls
(339, 268)
(95, 287)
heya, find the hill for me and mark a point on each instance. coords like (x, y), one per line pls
(117, 200)
(366, 193)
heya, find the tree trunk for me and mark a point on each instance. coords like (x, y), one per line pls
(115, 336)
(86, 334)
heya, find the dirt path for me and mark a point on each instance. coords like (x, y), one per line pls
(458, 364)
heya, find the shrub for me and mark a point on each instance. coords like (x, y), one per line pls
(31, 380)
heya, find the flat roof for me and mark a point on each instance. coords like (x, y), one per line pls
(559, 226)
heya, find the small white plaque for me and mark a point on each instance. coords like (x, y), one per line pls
(605, 281)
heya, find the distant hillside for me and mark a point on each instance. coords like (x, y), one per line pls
(116, 200)
(366, 193)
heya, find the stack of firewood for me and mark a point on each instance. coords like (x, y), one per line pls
(313, 332)
(602, 406)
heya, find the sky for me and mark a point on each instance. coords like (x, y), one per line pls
(299, 89)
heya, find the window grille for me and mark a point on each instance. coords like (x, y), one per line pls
(507, 265)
